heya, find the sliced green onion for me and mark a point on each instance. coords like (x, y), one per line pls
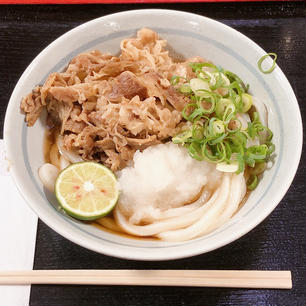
(213, 154)
(220, 151)
(234, 122)
(260, 61)
(197, 132)
(220, 80)
(218, 127)
(224, 106)
(269, 132)
(236, 145)
(258, 168)
(251, 130)
(197, 84)
(216, 98)
(228, 150)
(217, 140)
(197, 113)
(211, 131)
(255, 127)
(194, 150)
(252, 182)
(257, 152)
(193, 106)
(185, 89)
(182, 137)
(199, 66)
(247, 101)
(234, 77)
(225, 167)
(249, 161)
(235, 93)
(207, 106)
(175, 79)
(241, 164)
(204, 75)
(255, 117)
(209, 77)
(271, 148)
(237, 99)
(224, 81)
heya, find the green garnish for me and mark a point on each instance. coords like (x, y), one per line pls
(263, 58)
(252, 182)
(216, 134)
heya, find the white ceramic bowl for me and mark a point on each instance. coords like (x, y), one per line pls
(189, 35)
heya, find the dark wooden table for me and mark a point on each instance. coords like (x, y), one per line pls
(278, 243)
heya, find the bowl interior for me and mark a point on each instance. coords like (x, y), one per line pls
(187, 35)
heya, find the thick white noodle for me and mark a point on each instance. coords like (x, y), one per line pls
(263, 114)
(244, 118)
(69, 155)
(109, 223)
(178, 211)
(206, 221)
(64, 163)
(262, 110)
(54, 156)
(238, 190)
(167, 224)
(48, 174)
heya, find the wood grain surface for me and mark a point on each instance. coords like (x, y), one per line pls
(278, 243)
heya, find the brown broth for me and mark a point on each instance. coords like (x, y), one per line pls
(122, 234)
(49, 140)
(243, 201)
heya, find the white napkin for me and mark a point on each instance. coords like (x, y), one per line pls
(18, 227)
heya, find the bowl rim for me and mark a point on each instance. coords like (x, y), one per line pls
(135, 255)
